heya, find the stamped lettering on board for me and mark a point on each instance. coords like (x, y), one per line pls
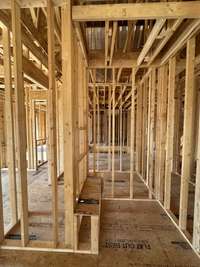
(127, 244)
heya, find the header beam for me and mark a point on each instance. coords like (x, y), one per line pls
(136, 11)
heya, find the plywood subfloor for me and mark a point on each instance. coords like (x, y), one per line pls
(133, 234)
(122, 186)
(102, 165)
(175, 200)
(40, 195)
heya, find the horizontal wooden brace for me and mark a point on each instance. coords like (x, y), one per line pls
(34, 73)
(38, 94)
(136, 11)
(31, 72)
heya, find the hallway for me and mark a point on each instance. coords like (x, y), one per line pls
(99, 133)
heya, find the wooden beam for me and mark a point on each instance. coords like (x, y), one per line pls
(33, 134)
(162, 43)
(146, 75)
(131, 28)
(162, 131)
(109, 128)
(59, 95)
(102, 84)
(32, 31)
(170, 131)
(95, 234)
(151, 39)
(119, 74)
(149, 106)
(68, 122)
(81, 41)
(86, 78)
(178, 132)
(94, 125)
(9, 118)
(132, 135)
(52, 142)
(114, 33)
(144, 129)
(26, 40)
(151, 132)
(56, 28)
(20, 121)
(196, 223)
(34, 16)
(29, 130)
(158, 132)
(120, 135)
(32, 73)
(98, 129)
(38, 94)
(1, 210)
(76, 106)
(106, 41)
(120, 97)
(181, 40)
(126, 98)
(113, 135)
(187, 151)
(163, 125)
(91, 75)
(138, 128)
(136, 11)
(57, 13)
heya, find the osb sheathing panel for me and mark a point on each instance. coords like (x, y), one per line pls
(133, 233)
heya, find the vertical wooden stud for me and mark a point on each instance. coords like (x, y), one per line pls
(10, 125)
(94, 125)
(170, 131)
(52, 151)
(95, 234)
(163, 126)
(113, 135)
(1, 210)
(187, 132)
(120, 134)
(68, 86)
(144, 128)
(109, 128)
(98, 129)
(151, 131)
(132, 143)
(20, 120)
(148, 128)
(139, 129)
(196, 223)
(158, 131)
